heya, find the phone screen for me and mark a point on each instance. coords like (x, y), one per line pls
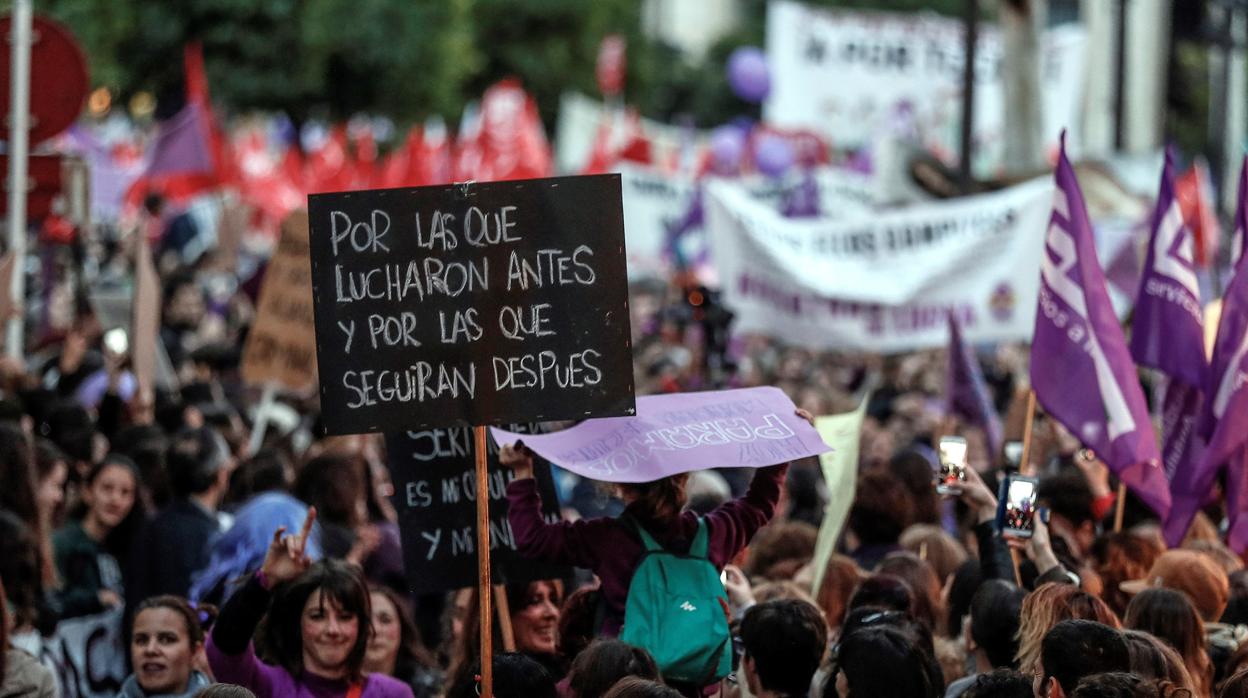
(1019, 506)
(952, 465)
(117, 341)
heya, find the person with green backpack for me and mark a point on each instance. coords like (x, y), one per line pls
(658, 564)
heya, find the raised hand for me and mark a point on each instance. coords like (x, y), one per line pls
(806, 415)
(518, 458)
(286, 559)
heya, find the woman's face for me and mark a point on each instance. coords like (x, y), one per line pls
(52, 489)
(161, 651)
(110, 498)
(536, 625)
(329, 632)
(383, 643)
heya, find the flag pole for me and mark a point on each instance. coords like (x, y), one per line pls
(19, 141)
(485, 608)
(1024, 463)
(1122, 503)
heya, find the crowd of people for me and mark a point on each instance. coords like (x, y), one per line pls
(276, 567)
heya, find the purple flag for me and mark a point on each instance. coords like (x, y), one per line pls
(966, 391)
(1167, 332)
(181, 145)
(678, 433)
(1080, 368)
(1227, 407)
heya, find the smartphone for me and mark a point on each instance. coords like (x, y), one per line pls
(1013, 455)
(117, 341)
(952, 451)
(1016, 506)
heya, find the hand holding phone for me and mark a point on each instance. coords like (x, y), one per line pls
(952, 472)
(1017, 508)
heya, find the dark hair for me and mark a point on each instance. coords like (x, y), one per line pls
(194, 458)
(1068, 494)
(19, 567)
(224, 690)
(266, 470)
(1115, 684)
(1170, 616)
(885, 660)
(914, 470)
(881, 509)
(4, 629)
(660, 501)
(995, 610)
(577, 620)
(334, 484)
(197, 618)
(1073, 649)
(1000, 683)
(966, 581)
(1236, 686)
(604, 663)
(786, 638)
(17, 472)
(1154, 659)
(282, 631)
(1236, 612)
(515, 674)
(119, 541)
(412, 652)
(883, 591)
(633, 687)
(923, 583)
(47, 455)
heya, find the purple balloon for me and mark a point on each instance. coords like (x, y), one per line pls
(727, 147)
(773, 155)
(747, 73)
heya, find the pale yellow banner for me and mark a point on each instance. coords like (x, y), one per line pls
(840, 471)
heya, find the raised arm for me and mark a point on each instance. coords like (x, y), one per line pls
(561, 542)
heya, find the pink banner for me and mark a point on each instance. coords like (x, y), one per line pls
(746, 428)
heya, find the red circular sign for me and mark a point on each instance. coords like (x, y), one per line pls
(58, 78)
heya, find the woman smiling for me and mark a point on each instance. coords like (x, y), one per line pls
(317, 628)
(166, 639)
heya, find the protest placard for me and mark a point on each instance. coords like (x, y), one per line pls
(743, 428)
(435, 495)
(281, 347)
(488, 303)
(843, 432)
(87, 655)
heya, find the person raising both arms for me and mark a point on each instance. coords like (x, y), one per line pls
(318, 625)
(612, 548)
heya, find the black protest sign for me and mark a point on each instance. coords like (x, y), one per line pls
(480, 303)
(435, 487)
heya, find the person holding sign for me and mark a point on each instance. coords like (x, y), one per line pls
(613, 548)
(318, 626)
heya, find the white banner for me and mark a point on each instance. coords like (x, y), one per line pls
(851, 74)
(87, 655)
(882, 283)
(656, 201)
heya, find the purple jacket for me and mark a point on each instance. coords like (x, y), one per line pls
(611, 549)
(233, 658)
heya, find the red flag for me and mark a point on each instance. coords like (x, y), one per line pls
(1195, 198)
(505, 140)
(430, 162)
(328, 167)
(610, 67)
(602, 156)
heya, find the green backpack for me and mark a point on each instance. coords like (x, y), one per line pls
(675, 610)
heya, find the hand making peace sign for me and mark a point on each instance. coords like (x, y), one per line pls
(286, 560)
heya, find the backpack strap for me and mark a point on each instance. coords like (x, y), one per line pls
(647, 541)
(701, 541)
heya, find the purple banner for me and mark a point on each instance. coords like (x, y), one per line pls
(966, 390)
(1080, 368)
(679, 433)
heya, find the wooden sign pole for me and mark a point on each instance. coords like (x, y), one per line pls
(485, 606)
(1024, 463)
(504, 618)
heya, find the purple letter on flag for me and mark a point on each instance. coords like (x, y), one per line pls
(1080, 368)
(966, 390)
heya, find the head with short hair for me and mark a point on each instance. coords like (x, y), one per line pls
(1000, 683)
(995, 611)
(783, 642)
(885, 660)
(195, 460)
(1169, 615)
(604, 663)
(1154, 659)
(1122, 556)
(1073, 649)
(883, 591)
(780, 548)
(336, 587)
(881, 510)
(1116, 684)
(1045, 607)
